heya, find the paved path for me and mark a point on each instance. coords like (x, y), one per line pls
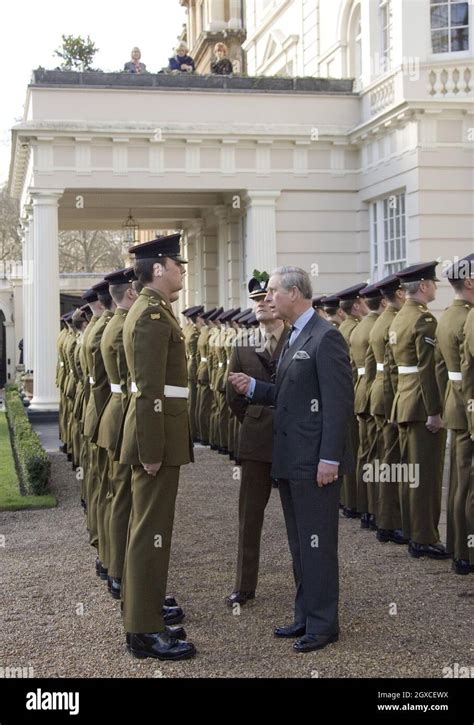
(399, 616)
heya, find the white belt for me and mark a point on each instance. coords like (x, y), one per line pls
(91, 380)
(360, 371)
(204, 359)
(170, 391)
(114, 388)
(221, 365)
(454, 376)
(380, 367)
(407, 369)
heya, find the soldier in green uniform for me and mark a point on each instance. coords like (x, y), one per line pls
(333, 312)
(230, 337)
(354, 309)
(258, 360)
(81, 321)
(450, 343)
(96, 308)
(65, 341)
(60, 374)
(191, 336)
(417, 409)
(204, 393)
(364, 362)
(386, 446)
(213, 364)
(78, 322)
(318, 305)
(115, 498)
(99, 392)
(221, 383)
(155, 441)
(467, 371)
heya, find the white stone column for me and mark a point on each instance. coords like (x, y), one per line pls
(260, 237)
(222, 261)
(235, 15)
(28, 322)
(210, 287)
(45, 299)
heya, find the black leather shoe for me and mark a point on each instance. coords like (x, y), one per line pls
(170, 601)
(103, 573)
(109, 583)
(292, 630)
(239, 598)
(364, 521)
(372, 523)
(172, 615)
(463, 567)
(223, 451)
(98, 566)
(214, 447)
(174, 630)
(115, 587)
(161, 646)
(311, 642)
(395, 535)
(432, 551)
(350, 513)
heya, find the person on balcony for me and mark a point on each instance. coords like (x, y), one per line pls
(134, 65)
(221, 65)
(181, 61)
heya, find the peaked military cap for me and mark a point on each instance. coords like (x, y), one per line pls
(205, 315)
(371, 291)
(101, 287)
(257, 288)
(352, 293)
(318, 302)
(121, 276)
(228, 315)
(388, 284)
(193, 311)
(419, 272)
(461, 268)
(238, 317)
(160, 247)
(331, 301)
(215, 314)
(90, 295)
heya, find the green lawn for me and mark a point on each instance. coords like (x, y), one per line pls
(10, 496)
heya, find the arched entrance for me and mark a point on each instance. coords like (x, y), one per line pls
(3, 351)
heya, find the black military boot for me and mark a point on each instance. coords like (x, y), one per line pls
(365, 521)
(172, 615)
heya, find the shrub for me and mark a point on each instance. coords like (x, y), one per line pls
(33, 465)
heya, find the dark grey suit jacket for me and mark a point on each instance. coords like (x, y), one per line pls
(314, 399)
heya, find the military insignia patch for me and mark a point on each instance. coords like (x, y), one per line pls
(430, 341)
(155, 316)
(153, 302)
(428, 319)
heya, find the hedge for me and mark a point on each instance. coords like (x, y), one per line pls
(33, 465)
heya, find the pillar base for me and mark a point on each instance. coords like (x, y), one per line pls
(42, 416)
(43, 406)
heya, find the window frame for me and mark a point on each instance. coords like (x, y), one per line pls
(451, 54)
(382, 264)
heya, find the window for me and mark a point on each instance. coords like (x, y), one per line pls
(355, 47)
(388, 227)
(449, 26)
(385, 15)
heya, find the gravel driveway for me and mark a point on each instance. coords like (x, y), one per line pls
(399, 617)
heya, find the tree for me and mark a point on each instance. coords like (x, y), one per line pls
(10, 242)
(90, 251)
(76, 53)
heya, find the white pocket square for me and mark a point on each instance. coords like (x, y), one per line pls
(301, 355)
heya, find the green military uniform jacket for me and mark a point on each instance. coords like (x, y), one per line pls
(364, 361)
(346, 328)
(381, 391)
(115, 363)
(203, 350)
(156, 427)
(191, 337)
(449, 345)
(467, 370)
(99, 383)
(412, 343)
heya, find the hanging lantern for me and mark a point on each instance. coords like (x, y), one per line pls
(130, 230)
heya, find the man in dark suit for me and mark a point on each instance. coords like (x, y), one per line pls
(258, 358)
(314, 400)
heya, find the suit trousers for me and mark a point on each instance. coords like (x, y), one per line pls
(312, 517)
(148, 549)
(421, 500)
(255, 490)
(460, 481)
(387, 450)
(119, 507)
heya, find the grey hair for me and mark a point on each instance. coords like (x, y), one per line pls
(411, 288)
(295, 277)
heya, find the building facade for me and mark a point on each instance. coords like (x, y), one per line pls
(359, 166)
